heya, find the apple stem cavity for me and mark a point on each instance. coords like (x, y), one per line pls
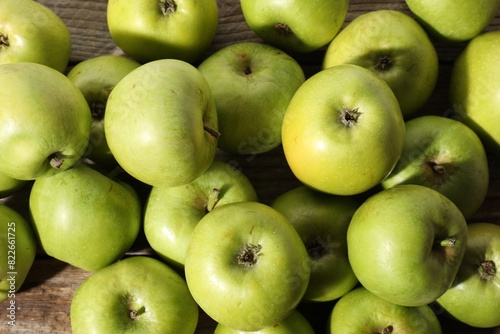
(212, 132)
(487, 270)
(384, 63)
(249, 255)
(283, 29)
(55, 161)
(316, 248)
(168, 7)
(349, 117)
(4, 41)
(213, 199)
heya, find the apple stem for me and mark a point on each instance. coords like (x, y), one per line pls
(388, 330)
(214, 133)
(55, 161)
(449, 242)
(167, 7)
(4, 40)
(440, 169)
(487, 270)
(135, 313)
(213, 199)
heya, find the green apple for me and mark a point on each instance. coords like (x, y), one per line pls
(9, 185)
(295, 25)
(295, 323)
(44, 121)
(454, 21)
(343, 131)
(246, 266)
(321, 221)
(393, 45)
(32, 32)
(95, 78)
(474, 297)
(252, 84)
(17, 253)
(84, 218)
(360, 311)
(138, 294)
(157, 29)
(405, 244)
(161, 123)
(474, 86)
(447, 156)
(171, 213)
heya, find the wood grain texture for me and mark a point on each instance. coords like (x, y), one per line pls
(44, 300)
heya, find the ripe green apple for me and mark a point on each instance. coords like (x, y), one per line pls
(474, 86)
(44, 121)
(360, 311)
(161, 123)
(343, 131)
(17, 253)
(32, 32)
(295, 25)
(252, 84)
(321, 221)
(405, 244)
(393, 45)
(295, 323)
(246, 266)
(447, 156)
(138, 294)
(9, 185)
(84, 218)
(95, 78)
(171, 213)
(158, 29)
(454, 21)
(474, 297)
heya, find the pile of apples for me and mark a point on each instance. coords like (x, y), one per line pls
(379, 224)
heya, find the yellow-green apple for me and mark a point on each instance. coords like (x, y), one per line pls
(161, 123)
(246, 266)
(295, 25)
(393, 45)
(405, 244)
(447, 156)
(32, 32)
(17, 253)
(138, 294)
(44, 121)
(95, 78)
(171, 213)
(9, 185)
(252, 84)
(321, 221)
(474, 87)
(454, 21)
(343, 131)
(360, 311)
(295, 323)
(83, 217)
(474, 297)
(159, 29)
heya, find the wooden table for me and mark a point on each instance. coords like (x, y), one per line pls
(45, 298)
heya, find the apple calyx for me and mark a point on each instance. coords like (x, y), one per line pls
(384, 63)
(249, 255)
(316, 248)
(97, 110)
(349, 117)
(487, 270)
(213, 199)
(55, 161)
(283, 29)
(167, 7)
(4, 41)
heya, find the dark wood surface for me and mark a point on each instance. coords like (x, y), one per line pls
(44, 300)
